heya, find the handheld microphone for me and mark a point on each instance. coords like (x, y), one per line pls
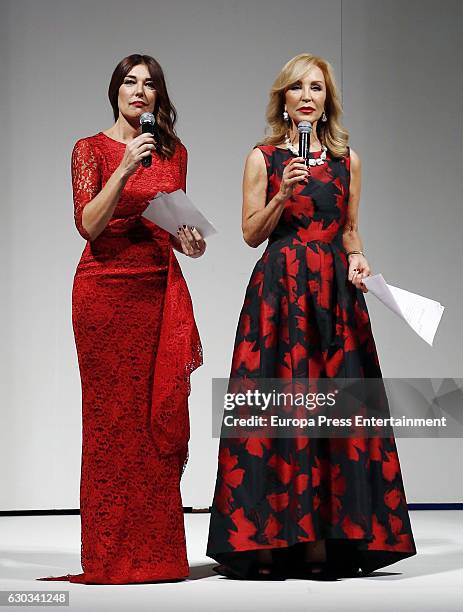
(147, 122)
(304, 128)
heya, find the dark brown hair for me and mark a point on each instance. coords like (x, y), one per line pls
(164, 110)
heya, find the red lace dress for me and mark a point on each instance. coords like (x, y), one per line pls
(137, 344)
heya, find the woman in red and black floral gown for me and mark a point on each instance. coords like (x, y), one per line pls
(306, 507)
(136, 339)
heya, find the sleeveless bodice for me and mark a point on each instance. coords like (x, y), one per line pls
(316, 210)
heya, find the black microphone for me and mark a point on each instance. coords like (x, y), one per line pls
(304, 128)
(147, 122)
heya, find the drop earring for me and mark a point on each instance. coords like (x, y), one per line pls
(324, 117)
(287, 120)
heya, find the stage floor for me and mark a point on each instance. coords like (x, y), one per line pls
(432, 580)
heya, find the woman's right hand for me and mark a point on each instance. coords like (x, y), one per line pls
(141, 146)
(295, 171)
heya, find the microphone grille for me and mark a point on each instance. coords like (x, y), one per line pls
(303, 127)
(147, 118)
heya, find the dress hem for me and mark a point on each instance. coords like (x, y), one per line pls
(365, 559)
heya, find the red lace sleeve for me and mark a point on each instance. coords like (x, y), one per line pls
(183, 166)
(86, 180)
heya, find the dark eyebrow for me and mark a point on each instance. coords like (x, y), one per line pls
(132, 76)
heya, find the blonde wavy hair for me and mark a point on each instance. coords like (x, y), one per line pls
(330, 133)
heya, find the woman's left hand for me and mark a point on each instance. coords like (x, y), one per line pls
(358, 269)
(191, 241)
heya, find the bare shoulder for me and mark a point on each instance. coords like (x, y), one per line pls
(255, 157)
(255, 163)
(354, 160)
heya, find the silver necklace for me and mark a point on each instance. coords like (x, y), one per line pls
(312, 162)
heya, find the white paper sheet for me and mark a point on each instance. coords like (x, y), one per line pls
(421, 313)
(171, 210)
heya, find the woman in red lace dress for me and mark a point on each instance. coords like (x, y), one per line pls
(299, 507)
(136, 339)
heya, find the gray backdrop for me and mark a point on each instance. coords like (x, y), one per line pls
(399, 65)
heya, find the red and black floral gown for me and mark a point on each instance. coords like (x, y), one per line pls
(137, 344)
(302, 318)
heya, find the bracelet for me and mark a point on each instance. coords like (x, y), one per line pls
(355, 253)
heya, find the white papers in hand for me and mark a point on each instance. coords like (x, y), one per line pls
(421, 313)
(171, 210)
